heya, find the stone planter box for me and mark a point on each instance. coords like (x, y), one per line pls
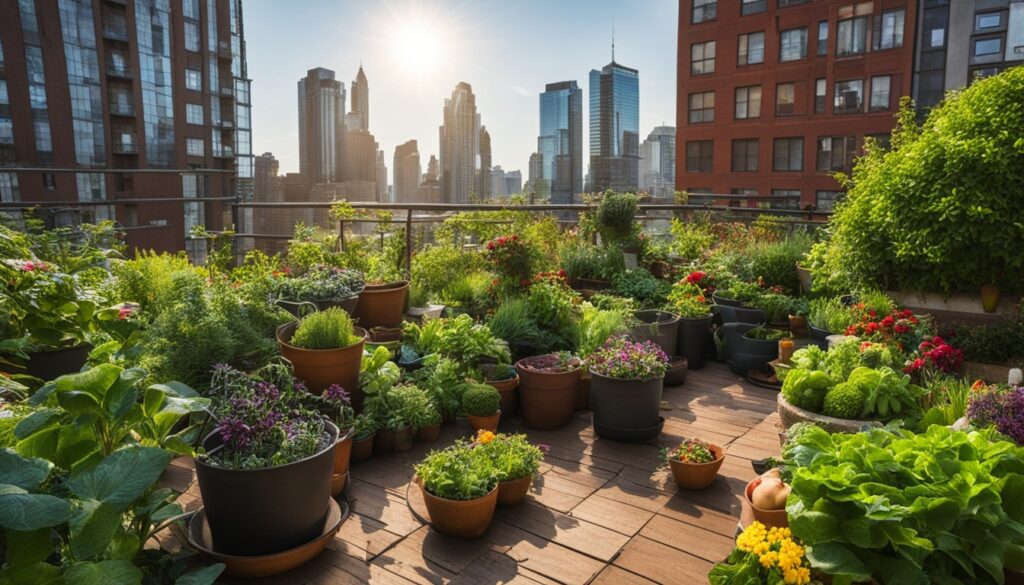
(790, 415)
(991, 373)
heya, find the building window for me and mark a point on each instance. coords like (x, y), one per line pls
(9, 188)
(195, 147)
(852, 36)
(822, 38)
(194, 79)
(702, 58)
(826, 200)
(793, 45)
(849, 96)
(191, 9)
(192, 36)
(753, 6)
(702, 107)
(741, 201)
(883, 141)
(785, 99)
(699, 156)
(880, 90)
(986, 47)
(789, 154)
(704, 11)
(888, 32)
(748, 102)
(934, 28)
(835, 153)
(820, 87)
(744, 155)
(49, 182)
(989, 21)
(785, 3)
(194, 114)
(976, 74)
(751, 48)
(785, 199)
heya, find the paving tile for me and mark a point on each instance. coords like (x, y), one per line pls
(661, 563)
(617, 516)
(708, 545)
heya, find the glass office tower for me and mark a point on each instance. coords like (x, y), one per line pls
(560, 143)
(614, 128)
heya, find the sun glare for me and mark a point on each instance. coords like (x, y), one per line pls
(417, 47)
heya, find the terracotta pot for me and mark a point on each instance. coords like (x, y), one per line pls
(990, 298)
(509, 396)
(428, 434)
(583, 392)
(460, 518)
(513, 491)
(342, 458)
(362, 449)
(382, 305)
(697, 476)
(384, 442)
(338, 483)
(676, 374)
(769, 518)
(385, 334)
(547, 400)
(798, 326)
(319, 368)
(485, 423)
(403, 439)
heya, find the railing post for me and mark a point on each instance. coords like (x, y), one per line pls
(408, 243)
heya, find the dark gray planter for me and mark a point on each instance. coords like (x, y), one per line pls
(692, 342)
(300, 308)
(51, 364)
(658, 326)
(270, 510)
(726, 302)
(744, 353)
(731, 314)
(625, 404)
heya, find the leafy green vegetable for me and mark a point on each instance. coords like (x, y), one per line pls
(806, 388)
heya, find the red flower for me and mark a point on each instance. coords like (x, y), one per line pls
(851, 330)
(28, 266)
(124, 312)
(871, 328)
(901, 329)
(873, 313)
(888, 321)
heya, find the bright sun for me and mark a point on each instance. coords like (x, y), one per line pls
(416, 46)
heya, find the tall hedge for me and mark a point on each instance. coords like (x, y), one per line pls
(943, 210)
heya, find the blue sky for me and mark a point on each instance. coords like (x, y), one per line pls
(506, 50)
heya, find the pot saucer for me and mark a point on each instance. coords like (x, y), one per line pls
(199, 538)
(629, 435)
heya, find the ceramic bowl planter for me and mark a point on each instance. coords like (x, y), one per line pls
(428, 434)
(676, 374)
(629, 404)
(460, 518)
(485, 423)
(693, 340)
(51, 364)
(513, 491)
(362, 447)
(770, 518)
(697, 476)
(268, 510)
(658, 326)
(342, 459)
(319, 368)
(547, 398)
(382, 305)
(789, 415)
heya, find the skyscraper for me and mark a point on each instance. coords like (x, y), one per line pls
(658, 162)
(321, 127)
(483, 184)
(267, 183)
(406, 169)
(459, 145)
(108, 101)
(535, 174)
(360, 157)
(361, 100)
(513, 182)
(382, 178)
(498, 184)
(560, 143)
(614, 127)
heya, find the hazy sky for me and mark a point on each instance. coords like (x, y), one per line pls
(415, 51)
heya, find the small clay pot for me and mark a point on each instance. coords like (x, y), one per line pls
(485, 423)
(513, 491)
(990, 298)
(428, 434)
(362, 449)
(697, 476)
(460, 518)
(770, 518)
(342, 458)
(403, 439)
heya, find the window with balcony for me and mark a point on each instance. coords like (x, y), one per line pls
(194, 114)
(753, 6)
(793, 45)
(849, 97)
(789, 154)
(852, 36)
(888, 33)
(195, 147)
(785, 99)
(744, 155)
(702, 107)
(702, 58)
(748, 102)
(704, 11)
(835, 153)
(820, 87)
(751, 48)
(880, 92)
(699, 156)
(822, 38)
(194, 79)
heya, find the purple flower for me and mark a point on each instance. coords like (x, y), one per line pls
(1001, 408)
(336, 393)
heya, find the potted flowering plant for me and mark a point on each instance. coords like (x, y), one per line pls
(694, 463)
(690, 303)
(265, 471)
(515, 460)
(482, 405)
(337, 406)
(764, 555)
(547, 389)
(512, 260)
(321, 286)
(627, 379)
(460, 489)
(325, 348)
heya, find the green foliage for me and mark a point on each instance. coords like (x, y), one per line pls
(774, 262)
(580, 259)
(436, 267)
(460, 472)
(480, 400)
(845, 400)
(945, 401)
(777, 307)
(513, 456)
(993, 344)
(688, 301)
(415, 406)
(691, 239)
(830, 314)
(596, 326)
(512, 322)
(641, 286)
(907, 509)
(939, 211)
(442, 379)
(615, 214)
(320, 283)
(328, 329)
(806, 388)
(148, 277)
(470, 292)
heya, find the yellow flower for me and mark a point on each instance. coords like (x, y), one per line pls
(799, 576)
(768, 559)
(483, 437)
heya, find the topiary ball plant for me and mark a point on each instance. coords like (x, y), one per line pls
(480, 400)
(330, 329)
(845, 400)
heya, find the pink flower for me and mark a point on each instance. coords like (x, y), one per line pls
(124, 312)
(28, 266)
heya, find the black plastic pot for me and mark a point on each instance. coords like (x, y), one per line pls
(660, 327)
(628, 435)
(265, 511)
(726, 302)
(54, 363)
(820, 336)
(732, 314)
(625, 404)
(744, 353)
(692, 342)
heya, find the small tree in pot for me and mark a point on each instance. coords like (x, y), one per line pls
(627, 379)
(481, 403)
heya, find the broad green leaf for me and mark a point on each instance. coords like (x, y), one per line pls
(836, 559)
(36, 574)
(814, 527)
(20, 510)
(19, 471)
(95, 381)
(42, 444)
(35, 422)
(123, 546)
(103, 573)
(77, 402)
(92, 528)
(122, 477)
(28, 548)
(122, 395)
(204, 576)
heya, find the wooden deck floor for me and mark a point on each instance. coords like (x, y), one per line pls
(601, 512)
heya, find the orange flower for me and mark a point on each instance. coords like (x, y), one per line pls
(483, 437)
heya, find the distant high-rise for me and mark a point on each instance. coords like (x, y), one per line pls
(382, 178)
(460, 145)
(483, 188)
(614, 127)
(433, 170)
(406, 170)
(560, 143)
(360, 157)
(321, 127)
(361, 100)
(658, 162)
(513, 182)
(498, 185)
(535, 172)
(266, 182)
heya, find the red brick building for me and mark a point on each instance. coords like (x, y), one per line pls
(776, 95)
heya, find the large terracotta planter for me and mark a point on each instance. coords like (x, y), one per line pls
(513, 491)
(382, 305)
(509, 397)
(342, 459)
(547, 399)
(770, 518)
(460, 518)
(658, 326)
(692, 343)
(362, 448)
(697, 476)
(625, 403)
(790, 415)
(384, 442)
(319, 368)
(429, 434)
(485, 423)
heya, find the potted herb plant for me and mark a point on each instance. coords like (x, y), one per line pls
(325, 348)
(694, 463)
(418, 411)
(482, 405)
(378, 377)
(515, 460)
(264, 491)
(321, 286)
(689, 302)
(505, 380)
(626, 383)
(364, 429)
(460, 489)
(547, 389)
(736, 294)
(615, 215)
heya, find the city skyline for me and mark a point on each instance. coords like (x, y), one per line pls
(478, 45)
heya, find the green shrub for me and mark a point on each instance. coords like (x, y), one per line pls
(436, 267)
(617, 210)
(512, 322)
(415, 406)
(460, 472)
(692, 239)
(830, 314)
(513, 456)
(845, 400)
(330, 329)
(641, 286)
(775, 261)
(480, 400)
(994, 344)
